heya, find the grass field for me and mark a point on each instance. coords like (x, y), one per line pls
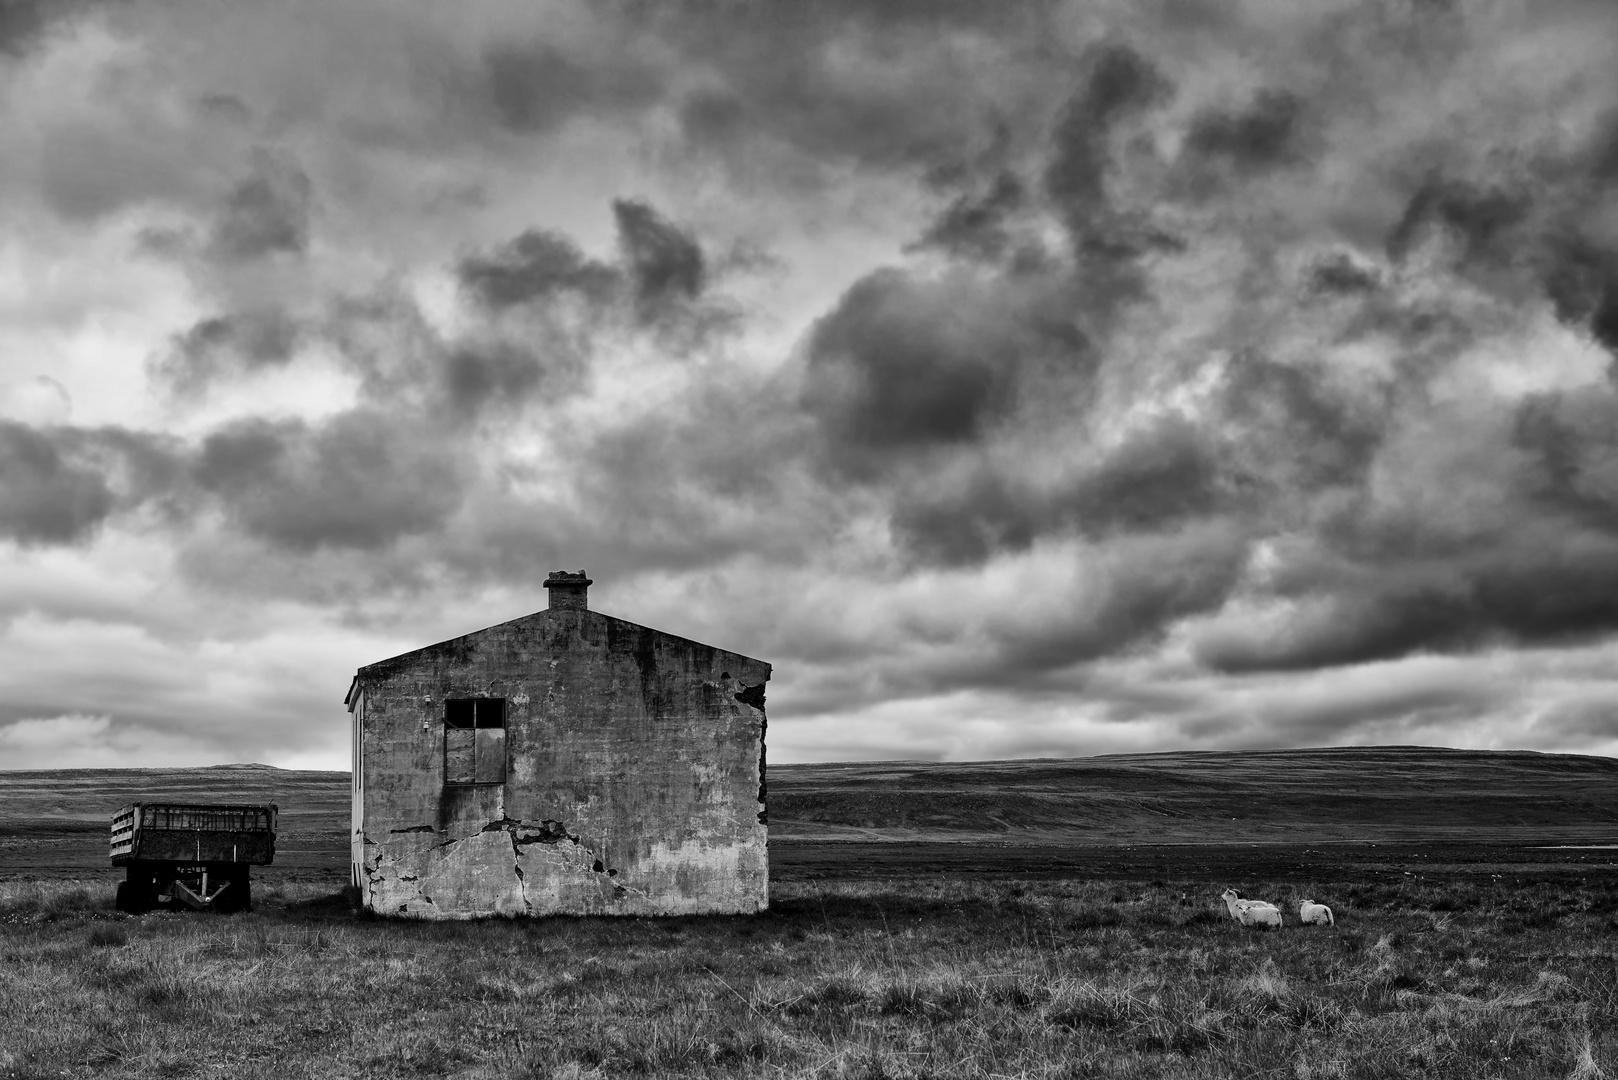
(56, 820)
(917, 977)
(987, 919)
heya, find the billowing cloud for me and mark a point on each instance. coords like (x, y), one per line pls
(267, 213)
(664, 264)
(976, 224)
(44, 496)
(1016, 379)
(359, 480)
(235, 343)
(536, 86)
(536, 265)
(907, 364)
(661, 268)
(1262, 134)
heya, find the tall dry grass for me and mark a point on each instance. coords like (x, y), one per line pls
(933, 978)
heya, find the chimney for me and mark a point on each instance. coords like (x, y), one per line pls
(569, 592)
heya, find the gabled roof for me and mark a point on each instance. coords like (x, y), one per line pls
(465, 640)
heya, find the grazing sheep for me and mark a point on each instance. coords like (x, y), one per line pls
(1258, 913)
(1311, 912)
(1251, 912)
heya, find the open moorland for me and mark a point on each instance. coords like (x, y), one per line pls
(1138, 816)
(1008, 919)
(936, 977)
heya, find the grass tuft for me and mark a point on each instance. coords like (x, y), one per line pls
(108, 934)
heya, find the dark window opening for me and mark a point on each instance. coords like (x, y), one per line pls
(475, 741)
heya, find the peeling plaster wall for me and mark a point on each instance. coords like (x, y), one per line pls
(633, 775)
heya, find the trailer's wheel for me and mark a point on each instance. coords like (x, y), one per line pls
(135, 897)
(238, 896)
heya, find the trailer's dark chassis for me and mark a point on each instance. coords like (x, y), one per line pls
(205, 887)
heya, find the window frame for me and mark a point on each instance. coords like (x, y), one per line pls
(475, 715)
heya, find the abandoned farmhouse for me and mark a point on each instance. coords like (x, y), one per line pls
(565, 762)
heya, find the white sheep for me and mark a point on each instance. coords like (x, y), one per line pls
(1311, 912)
(1251, 912)
(1258, 913)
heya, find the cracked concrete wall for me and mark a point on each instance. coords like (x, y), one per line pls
(633, 775)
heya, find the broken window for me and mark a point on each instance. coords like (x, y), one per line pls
(475, 741)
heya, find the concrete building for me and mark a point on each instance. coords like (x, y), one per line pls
(566, 762)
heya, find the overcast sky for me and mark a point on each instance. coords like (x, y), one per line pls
(1020, 379)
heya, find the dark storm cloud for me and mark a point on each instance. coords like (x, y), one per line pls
(25, 23)
(537, 87)
(45, 498)
(22, 22)
(1299, 430)
(1524, 238)
(969, 522)
(436, 386)
(906, 364)
(1341, 274)
(225, 345)
(799, 93)
(478, 377)
(1381, 623)
(974, 226)
(1396, 706)
(665, 264)
(1161, 478)
(1141, 588)
(1581, 280)
(536, 265)
(1527, 227)
(1536, 565)
(926, 387)
(1119, 82)
(1275, 437)
(361, 479)
(661, 272)
(1260, 136)
(59, 484)
(1572, 441)
(267, 213)
(1601, 155)
(1510, 596)
(1479, 216)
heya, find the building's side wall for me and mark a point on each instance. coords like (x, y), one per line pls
(632, 780)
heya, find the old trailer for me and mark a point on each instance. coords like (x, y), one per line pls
(192, 854)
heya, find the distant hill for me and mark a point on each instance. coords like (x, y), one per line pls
(58, 818)
(1349, 794)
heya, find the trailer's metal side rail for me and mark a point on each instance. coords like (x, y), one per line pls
(189, 818)
(123, 831)
(192, 832)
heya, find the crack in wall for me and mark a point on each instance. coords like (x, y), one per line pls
(405, 892)
(510, 826)
(522, 834)
(467, 878)
(548, 832)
